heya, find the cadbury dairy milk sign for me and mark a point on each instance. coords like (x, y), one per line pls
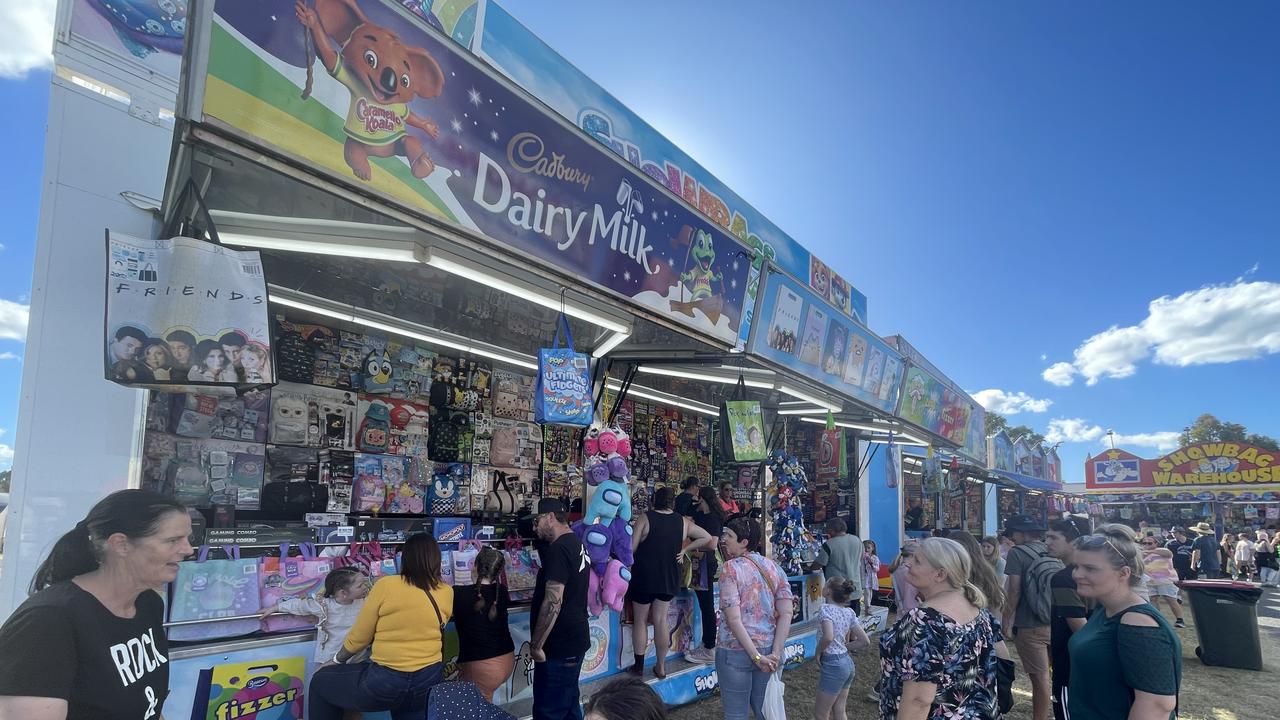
(387, 105)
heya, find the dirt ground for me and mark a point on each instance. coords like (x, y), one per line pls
(1208, 693)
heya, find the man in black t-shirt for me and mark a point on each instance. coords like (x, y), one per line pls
(913, 518)
(560, 633)
(1069, 610)
(687, 501)
(1181, 548)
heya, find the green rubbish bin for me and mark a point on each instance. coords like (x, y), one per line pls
(1226, 615)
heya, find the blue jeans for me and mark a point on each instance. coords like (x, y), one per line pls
(556, 695)
(370, 687)
(742, 684)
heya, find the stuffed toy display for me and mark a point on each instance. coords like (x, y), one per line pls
(605, 528)
(791, 541)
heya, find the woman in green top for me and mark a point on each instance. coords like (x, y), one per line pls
(1126, 662)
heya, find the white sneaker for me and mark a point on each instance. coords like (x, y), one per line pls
(700, 656)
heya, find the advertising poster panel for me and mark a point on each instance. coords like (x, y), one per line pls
(398, 110)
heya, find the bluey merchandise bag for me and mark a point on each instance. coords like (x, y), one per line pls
(210, 589)
(562, 395)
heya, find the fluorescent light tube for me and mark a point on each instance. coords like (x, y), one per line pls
(280, 296)
(705, 377)
(395, 252)
(801, 411)
(658, 396)
(807, 397)
(881, 436)
(609, 344)
(527, 291)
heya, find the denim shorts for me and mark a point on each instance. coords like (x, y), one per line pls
(836, 674)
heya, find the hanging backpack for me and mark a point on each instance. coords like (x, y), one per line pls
(1037, 581)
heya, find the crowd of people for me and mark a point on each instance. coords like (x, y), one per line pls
(90, 641)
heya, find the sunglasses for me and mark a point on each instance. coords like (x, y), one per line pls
(1095, 542)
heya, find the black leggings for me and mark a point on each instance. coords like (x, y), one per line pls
(706, 604)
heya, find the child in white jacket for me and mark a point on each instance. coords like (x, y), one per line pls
(345, 589)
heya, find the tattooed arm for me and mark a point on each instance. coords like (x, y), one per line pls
(547, 616)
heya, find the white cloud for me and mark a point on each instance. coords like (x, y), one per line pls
(6, 457)
(1078, 430)
(1166, 440)
(9, 356)
(1212, 325)
(1010, 403)
(13, 320)
(1061, 374)
(1072, 430)
(26, 37)
(1043, 357)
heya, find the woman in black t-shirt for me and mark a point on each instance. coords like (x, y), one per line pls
(89, 643)
(486, 653)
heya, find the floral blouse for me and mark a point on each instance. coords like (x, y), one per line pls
(927, 646)
(743, 585)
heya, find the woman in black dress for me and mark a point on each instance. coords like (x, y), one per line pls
(658, 544)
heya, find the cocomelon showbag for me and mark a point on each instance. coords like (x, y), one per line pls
(285, 577)
(260, 690)
(210, 589)
(562, 395)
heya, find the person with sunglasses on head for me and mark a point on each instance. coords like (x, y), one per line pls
(1126, 662)
(1162, 578)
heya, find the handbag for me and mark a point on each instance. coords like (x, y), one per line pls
(209, 589)
(520, 573)
(562, 394)
(287, 577)
(464, 561)
(742, 437)
(500, 499)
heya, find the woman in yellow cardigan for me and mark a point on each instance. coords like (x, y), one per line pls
(404, 619)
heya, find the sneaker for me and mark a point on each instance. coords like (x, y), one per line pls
(701, 656)
(1179, 623)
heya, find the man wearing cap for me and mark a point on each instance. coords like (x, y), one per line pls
(1181, 548)
(1204, 551)
(1031, 635)
(561, 635)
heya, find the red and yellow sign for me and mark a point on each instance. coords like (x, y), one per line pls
(1202, 464)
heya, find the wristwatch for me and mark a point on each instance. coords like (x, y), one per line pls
(756, 659)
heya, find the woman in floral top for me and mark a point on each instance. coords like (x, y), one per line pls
(939, 660)
(755, 619)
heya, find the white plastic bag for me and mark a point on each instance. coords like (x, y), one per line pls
(774, 708)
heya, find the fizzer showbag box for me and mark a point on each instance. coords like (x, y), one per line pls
(264, 690)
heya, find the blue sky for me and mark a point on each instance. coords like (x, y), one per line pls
(1011, 184)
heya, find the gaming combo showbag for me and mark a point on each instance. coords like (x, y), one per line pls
(210, 589)
(285, 577)
(562, 394)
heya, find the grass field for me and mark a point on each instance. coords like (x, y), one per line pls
(1208, 693)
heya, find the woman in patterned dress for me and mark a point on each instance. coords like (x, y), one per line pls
(939, 660)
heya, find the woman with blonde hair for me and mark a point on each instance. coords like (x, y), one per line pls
(1126, 661)
(939, 659)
